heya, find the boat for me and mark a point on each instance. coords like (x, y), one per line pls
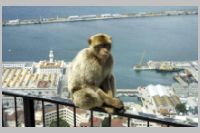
(140, 66)
(168, 69)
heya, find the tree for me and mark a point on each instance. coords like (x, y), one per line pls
(62, 123)
(105, 122)
(181, 108)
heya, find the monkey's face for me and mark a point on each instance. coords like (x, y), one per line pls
(103, 50)
(101, 45)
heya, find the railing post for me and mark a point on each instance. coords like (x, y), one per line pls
(74, 116)
(29, 112)
(148, 123)
(110, 120)
(43, 114)
(91, 118)
(58, 115)
(129, 121)
(3, 116)
(16, 115)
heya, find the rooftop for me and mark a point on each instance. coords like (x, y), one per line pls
(14, 78)
(30, 120)
(47, 64)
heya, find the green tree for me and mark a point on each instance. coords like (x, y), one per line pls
(105, 122)
(181, 108)
(62, 123)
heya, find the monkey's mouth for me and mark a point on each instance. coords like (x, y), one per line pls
(105, 53)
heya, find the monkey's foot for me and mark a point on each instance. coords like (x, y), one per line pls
(117, 103)
(121, 110)
(109, 110)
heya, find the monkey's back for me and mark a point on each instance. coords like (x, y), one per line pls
(85, 70)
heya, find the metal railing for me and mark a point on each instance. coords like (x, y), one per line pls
(29, 112)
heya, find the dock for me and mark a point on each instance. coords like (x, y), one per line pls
(187, 71)
(178, 79)
(127, 92)
(164, 66)
(92, 17)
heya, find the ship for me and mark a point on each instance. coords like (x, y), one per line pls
(167, 68)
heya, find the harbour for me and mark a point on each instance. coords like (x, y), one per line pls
(66, 40)
(168, 66)
(186, 71)
(166, 77)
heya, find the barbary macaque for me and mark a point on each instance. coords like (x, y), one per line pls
(90, 78)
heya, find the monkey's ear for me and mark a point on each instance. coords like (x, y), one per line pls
(89, 41)
(110, 38)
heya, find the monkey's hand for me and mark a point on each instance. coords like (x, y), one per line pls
(121, 110)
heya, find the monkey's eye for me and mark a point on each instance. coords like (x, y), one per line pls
(108, 46)
(105, 45)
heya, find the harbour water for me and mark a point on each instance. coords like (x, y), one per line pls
(171, 38)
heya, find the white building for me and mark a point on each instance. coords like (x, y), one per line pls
(141, 123)
(67, 114)
(106, 15)
(159, 99)
(88, 16)
(9, 118)
(29, 78)
(51, 66)
(14, 22)
(73, 17)
(185, 91)
(192, 106)
(24, 65)
(117, 15)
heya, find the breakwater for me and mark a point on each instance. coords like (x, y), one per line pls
(96, 17)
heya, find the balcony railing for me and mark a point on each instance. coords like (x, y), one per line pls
(29, 112)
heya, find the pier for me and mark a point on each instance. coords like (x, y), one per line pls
(127, 92)
(165, 66)
(95, 17)
(187, 70)
(178, 79)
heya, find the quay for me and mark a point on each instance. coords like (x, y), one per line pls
(167, 66)
(127, 92)
(178, 79)
(187, 70)
(96, 17)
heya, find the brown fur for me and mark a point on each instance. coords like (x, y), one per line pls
(90, 78)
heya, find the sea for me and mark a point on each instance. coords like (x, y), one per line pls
(164, 38)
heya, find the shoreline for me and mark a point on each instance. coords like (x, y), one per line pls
(107, 16)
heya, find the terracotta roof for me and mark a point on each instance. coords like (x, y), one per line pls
(164, 111)
(117, 123)
(46, 64)
(11, 117)
(43, 84)
(78, 110)
(96, 123)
